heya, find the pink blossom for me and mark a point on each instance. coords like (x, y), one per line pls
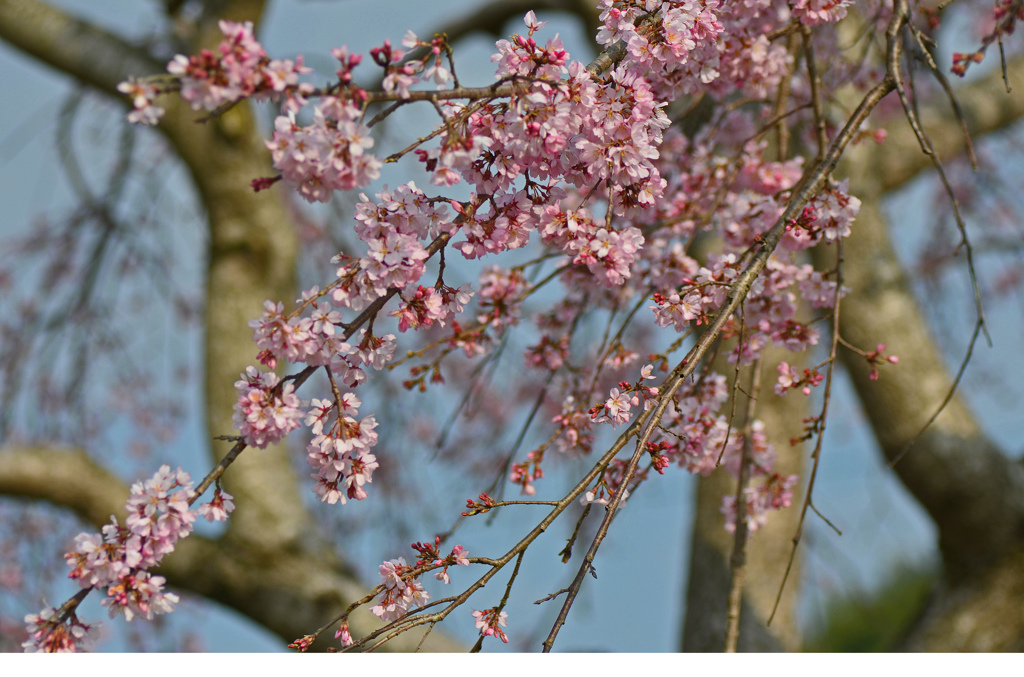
(616, 409)
(139, 594)
(46, 635)
(265, 413)
(527, 472)
(488, 622)
(219, 508)
(400, 593)
(813, 12)
(142, 95)
(774, 493)
(330, 154)
(344, 635)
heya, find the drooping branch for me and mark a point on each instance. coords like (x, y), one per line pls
(283, 590)
(986, 108)
(972, 491)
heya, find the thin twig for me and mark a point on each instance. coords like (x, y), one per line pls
(738, 559)
(820, 427)
(814, 181)
(815, 81)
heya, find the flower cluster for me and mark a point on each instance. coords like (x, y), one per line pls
(400, 591)
(401, 72)
(674, 43)
(526, 473)
(239, 68)
(430, 555)
(159, 515)
(608, 486)
(877, 358)
(266, 410)
(48, 634)
(789, 378)
(574, 423)
(608, 254)
(834, 209)
(480, 506)
(488, 622)
(702, 295)
(1005, 15)
(616, 409)
(394, 227)
(500, 297)
(327, 155)
(814, 12)
(341, 455)
(142, 94)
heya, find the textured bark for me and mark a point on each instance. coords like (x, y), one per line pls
(981, 614)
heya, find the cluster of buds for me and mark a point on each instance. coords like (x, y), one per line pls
(480, 506)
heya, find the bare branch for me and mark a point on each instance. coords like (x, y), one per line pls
(985, 107)
(972, 491)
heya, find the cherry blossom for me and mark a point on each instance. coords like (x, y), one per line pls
(400, 593)
(218, 509)
(265, 413)
(47, 635)
(489, 620)
(579, 164)
(774, 493)
(142, 95)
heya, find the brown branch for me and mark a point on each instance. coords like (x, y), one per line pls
(820, 426)
(985, 107)
(971, 490)
(738, 560)
(493, 17)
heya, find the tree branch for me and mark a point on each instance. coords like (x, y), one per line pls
(972, 491)
(286, 591)
(492, 18)
(986, 108)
